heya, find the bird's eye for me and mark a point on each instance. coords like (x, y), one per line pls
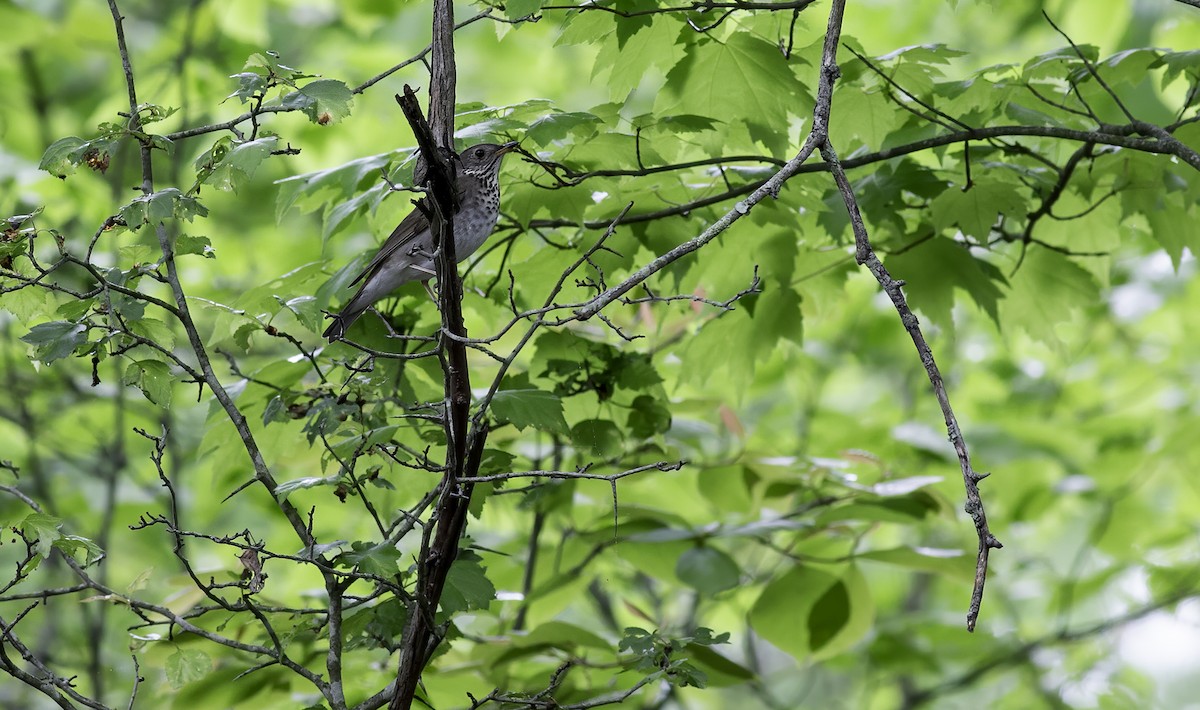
(479, 152)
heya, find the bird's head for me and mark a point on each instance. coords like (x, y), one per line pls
(484, 158)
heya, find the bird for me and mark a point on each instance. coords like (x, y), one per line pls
(407, 255)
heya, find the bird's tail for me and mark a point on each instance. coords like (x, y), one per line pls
(343, 320)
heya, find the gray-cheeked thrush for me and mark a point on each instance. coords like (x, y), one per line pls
(407, 255)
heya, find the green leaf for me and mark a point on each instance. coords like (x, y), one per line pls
(56, 339)
(162, 206)
(862, 115)
(707, 570)
(598, 437)
(287, 487)
(721, 671)
(810, 611)
(382, 560)
(153, 378)
(386, 623)
(552, 635)
(44, 529)
(725, 79)
(187, 665)
(324, 101)
(630, 57)
(323, 188)
(1172, 225)
(230, 164)
(975, 210)
(76, 310)
(71, 544)
(187, 244)
(648, 417)
(154, 330)
(307, 310)
(636, 371)
(1046, 290)
(467, 586)
(905, 510)
(530, 408)
(951, 562)
(933, 270)
(517, 9)
(57, 158)
(776, 318)
(559, 125)
(829, 614)
(250, 84)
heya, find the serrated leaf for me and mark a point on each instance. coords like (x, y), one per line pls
(934, 269)
(378, 559)
(559, 125)
(1047, 289)
(516, 9)
(188, 244)
(598, 437)
(153, 378)
(56, 339)
(44, 529)
(630, 56)
(647, 417)
(71, 544)
(977, 209)
(776, 318)
(467, 586)
(230, 163)
(250, 84)
(724, 79)
(187, 665)
(154, 330)
(161, 206)
(57, 161)
(324, 101)
(307, 311)
(530, 407)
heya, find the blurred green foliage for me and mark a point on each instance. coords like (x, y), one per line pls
(810, 552)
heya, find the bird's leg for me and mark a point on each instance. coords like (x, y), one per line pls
(429, 290)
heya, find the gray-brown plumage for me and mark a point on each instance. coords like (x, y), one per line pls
(407, 255)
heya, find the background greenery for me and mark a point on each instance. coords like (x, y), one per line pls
(817, 520)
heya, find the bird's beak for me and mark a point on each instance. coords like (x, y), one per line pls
(508, 147)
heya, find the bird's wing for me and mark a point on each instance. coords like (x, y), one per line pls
(404, 233)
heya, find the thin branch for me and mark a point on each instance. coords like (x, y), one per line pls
(865, 255)
(1092, 70)
(1119, 136)
(698, 6)
(581, 474)
(262, 473)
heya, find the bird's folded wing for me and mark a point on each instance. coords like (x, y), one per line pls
(408, 229)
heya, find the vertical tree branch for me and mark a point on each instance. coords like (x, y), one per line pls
(444, 75)
(462, 457)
